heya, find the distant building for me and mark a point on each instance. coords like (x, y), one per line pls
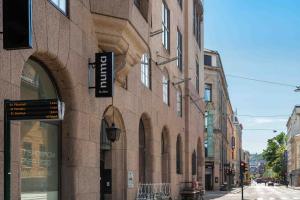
(293, 147)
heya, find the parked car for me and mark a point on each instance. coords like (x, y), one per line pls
(270, 183)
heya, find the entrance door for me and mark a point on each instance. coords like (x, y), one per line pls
(208, 182)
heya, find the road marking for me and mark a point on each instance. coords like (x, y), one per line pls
(296, 198)
(260, 199)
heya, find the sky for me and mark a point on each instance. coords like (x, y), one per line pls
(258, 39)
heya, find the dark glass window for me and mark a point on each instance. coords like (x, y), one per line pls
(205, 146)
(197, 20)
(142, 153)
(207, 60)
(197, 77)
(194, 163)
(179, 155)
(142, 5)
(165, 14)
(179, 50)
(208, 92)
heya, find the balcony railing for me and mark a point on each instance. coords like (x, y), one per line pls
(154, 191)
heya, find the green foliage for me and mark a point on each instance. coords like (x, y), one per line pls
(274, 154)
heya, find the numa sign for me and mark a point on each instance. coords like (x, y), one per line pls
(104, 77)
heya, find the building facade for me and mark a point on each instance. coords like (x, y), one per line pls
(293, 147)
(219, 126)
(237, 149)
(157, 104)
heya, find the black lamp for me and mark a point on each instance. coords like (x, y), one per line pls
(113, 133)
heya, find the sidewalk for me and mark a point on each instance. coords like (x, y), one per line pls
(294, 188)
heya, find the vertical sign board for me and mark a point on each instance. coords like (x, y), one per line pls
(47, 109)
(104, 74)
(17, 24)
(210, 131)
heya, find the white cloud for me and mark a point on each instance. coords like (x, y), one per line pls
(265, 120)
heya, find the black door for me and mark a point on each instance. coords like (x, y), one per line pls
(106, 180)
(208, 182)
(102, 180)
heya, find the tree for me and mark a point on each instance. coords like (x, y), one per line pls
(274, 154)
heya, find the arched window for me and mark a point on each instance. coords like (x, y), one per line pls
(142, 153)
(165, 156)
(179, 102)
(179, 167)
(105, 142)
(39, 155)
(194, 163)
(145, 71)
(166, 92)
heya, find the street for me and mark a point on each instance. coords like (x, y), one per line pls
(256, 192)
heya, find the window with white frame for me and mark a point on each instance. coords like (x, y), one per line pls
(145, 70)
(179, 50)
(165, 82)
(60, 4)
(165, 14)
(179, 102)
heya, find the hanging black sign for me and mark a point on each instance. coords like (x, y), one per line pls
(17, 24)
(48, 109)
(104, 77)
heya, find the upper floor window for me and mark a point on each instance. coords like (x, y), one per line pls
(179, 102)
(205, 119)
(142, 5)
(179, 50)
(208, 92)
(165, 81)
(197, 77)
(165, 14)
(205, 147)
(180, 3)
(197, 20)
(207, 60)
(145, 70)
(61, 5)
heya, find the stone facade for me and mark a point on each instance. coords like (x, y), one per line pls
(223, 125)
(65, 44)
(293, 147)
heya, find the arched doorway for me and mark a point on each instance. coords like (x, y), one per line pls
(113, 161)
(39, 145)
(200, 161)
(142, 152)
(145, 149)
(165, 156)
(179, 155)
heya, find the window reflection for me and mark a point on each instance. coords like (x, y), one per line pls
(39, 140)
